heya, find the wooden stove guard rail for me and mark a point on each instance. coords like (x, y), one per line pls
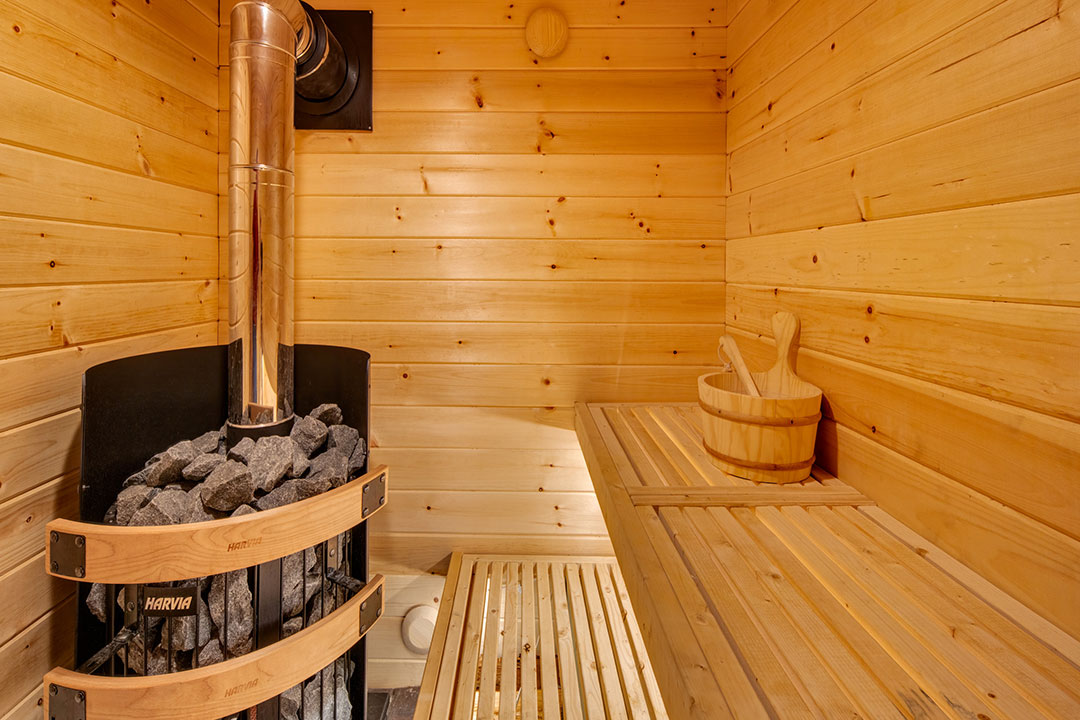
(162, 553)
(227, 687)
(805, 600)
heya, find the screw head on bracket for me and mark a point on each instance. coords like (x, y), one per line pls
(54, 566)
(79, 697)
(382, 499)
(53, 690)
(80, 572)
(363, 605)
(366, 488)
(79, 541)
(54, 536)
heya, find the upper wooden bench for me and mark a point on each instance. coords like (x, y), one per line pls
(765, 601)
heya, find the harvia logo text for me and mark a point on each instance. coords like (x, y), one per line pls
(242, 687)
(168, 603)
(244, 544)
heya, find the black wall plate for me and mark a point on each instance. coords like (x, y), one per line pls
(353, 30)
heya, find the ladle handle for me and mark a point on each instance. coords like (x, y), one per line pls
(782, 375)
(731, 349)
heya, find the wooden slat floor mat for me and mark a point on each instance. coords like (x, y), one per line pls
(805, 601)
(537, 637)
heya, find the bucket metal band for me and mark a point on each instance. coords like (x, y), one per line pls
(752, 465)
(760, 420)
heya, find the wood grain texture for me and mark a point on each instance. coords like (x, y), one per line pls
(522, 343)
(501, 217)
(516, 234)
(506, 301)
(1026, 356)
(109, 249)
(50, 55)
(899, 168)
(43, 645)
(509, 259)
(213, 689)
(825, 609)
(581, 133)
(163, 553)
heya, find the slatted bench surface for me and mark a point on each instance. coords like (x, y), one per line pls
(760, 601)
(537, 637)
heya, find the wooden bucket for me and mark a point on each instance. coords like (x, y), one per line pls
(769, 438)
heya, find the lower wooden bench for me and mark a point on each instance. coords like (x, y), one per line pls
(537, 637)
(764, 602)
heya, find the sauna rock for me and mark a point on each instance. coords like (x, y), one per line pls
(198, 480)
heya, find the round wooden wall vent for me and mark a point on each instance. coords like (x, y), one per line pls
(546, 32)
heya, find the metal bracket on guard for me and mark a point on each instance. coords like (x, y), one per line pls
(66, 703)
(374, 495)
(371, 610)
(67, 554)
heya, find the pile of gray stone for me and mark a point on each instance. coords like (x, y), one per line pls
(199, 480)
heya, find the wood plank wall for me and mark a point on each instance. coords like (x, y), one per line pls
(905, 177)
(108, 248)
(516, 234)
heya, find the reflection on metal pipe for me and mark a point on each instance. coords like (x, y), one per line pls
(262, 57)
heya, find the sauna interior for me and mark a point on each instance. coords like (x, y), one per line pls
(559, 210)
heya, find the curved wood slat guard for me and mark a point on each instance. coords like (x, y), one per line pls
(227, 687)
(160, 553)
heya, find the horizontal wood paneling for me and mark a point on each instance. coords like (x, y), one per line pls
(23, 519)
(33, 453)
(921, 173)
(405, 552)
(593, 48)
(35, 48)
(958, 253)
(509, 428)
(523, 342)
(530, 385)
(508, 301)
(46, 186)
(983, 64)
(39, 648)
(504, 513)
(51, 382)
(799, 75)
(901, 176)
(516, 234)
(545, 470)
(509, 259)
(1026, 356)
(115, 29)
(44, 119)
(500, 217)
(45, 252)
(108, 248)
(625, 133)
(472, 13)
(25, 591)
(48, 318)
(509, 175)
(560, 90)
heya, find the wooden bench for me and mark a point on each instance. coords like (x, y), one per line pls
(760, 601)
(536, 637)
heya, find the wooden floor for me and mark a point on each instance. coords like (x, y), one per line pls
(805, 601)
(567, 628)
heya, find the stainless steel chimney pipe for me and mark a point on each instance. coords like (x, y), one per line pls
(262, 61)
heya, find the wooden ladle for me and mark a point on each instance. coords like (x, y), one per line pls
(781, 380)
(731, 349)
